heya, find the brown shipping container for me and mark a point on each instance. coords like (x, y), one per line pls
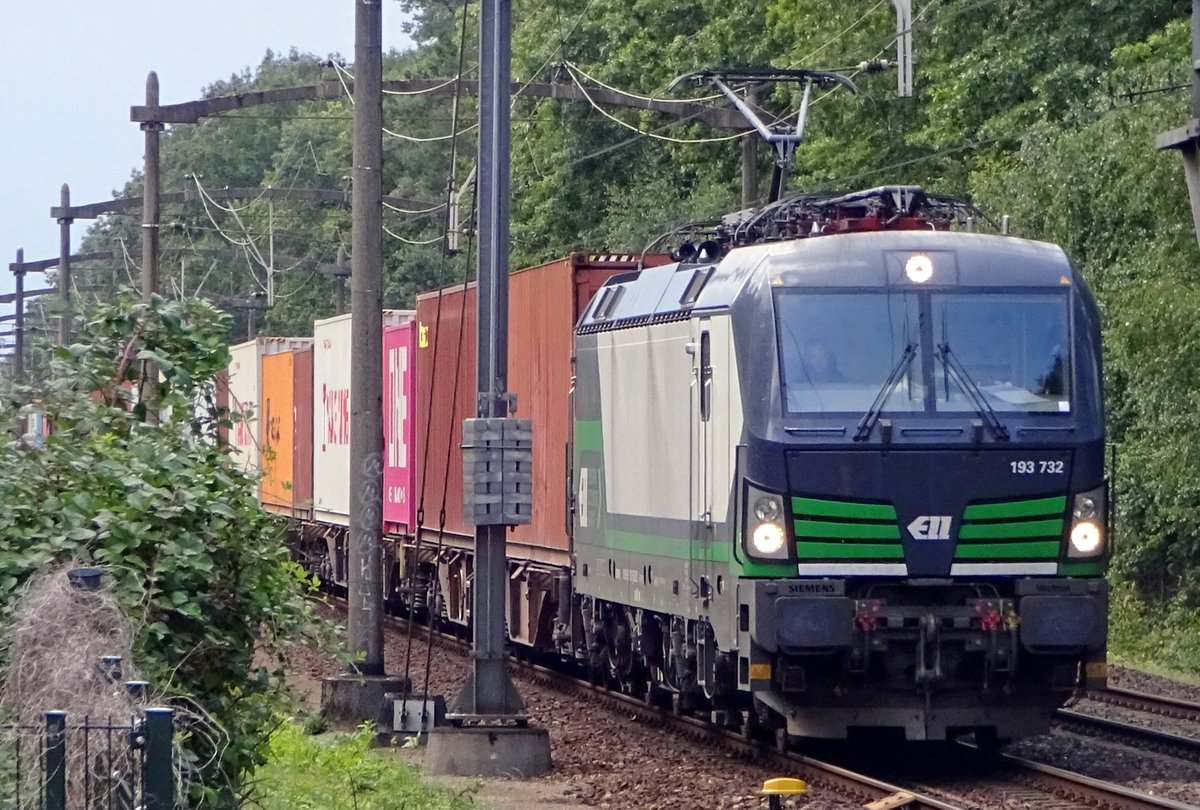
(302, 400)
(544, 304)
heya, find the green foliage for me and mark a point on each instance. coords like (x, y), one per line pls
(304, 772)
(1164, 639)
(159, 506)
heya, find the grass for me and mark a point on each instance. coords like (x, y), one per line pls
(340, 772)
(1161, 640)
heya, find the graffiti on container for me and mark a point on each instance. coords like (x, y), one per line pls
(243, 433)
(335, 404)
(397, 447)
(274, 424)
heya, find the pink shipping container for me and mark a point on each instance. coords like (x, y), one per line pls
(399, 427)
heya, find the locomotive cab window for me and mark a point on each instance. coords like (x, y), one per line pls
(837, 351)
(1012, 347)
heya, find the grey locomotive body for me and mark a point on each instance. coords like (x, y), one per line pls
(847, 481)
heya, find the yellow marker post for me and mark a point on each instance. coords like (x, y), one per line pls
(776, 789)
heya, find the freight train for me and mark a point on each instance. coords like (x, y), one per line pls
(830, 465)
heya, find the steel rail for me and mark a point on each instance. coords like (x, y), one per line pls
(1171, 743)
(1085, 790)
(1146, 702)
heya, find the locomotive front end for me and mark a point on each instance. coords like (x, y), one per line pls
(921, 501)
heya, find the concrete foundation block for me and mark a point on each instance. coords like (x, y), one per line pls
(350, 700)
(482, 751)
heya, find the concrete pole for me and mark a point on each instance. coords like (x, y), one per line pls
(150, 209)
(491, 689)
(365, 625)
(19, 318)
(750, 159)
(64, 269)
(150, 222)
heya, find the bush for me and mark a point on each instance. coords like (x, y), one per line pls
(159, 505)
(342, 774)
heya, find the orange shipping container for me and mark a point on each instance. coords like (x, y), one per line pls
(544, 304)
(279, 458)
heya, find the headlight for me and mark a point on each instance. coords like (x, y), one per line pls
(1086, 539)
(767, 540)
(766, 535)
(767, 508)
(1087, 524)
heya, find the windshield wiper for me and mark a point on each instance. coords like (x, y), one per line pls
(867, 423)
(982, 407)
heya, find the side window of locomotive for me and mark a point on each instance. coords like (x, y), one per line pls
(1014, 347)
(837, 350)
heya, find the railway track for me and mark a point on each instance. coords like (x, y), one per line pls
(1018, 783)
(1077, 790)
(1148, 703)
(1173, 744)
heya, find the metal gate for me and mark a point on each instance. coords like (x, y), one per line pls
(89, 764)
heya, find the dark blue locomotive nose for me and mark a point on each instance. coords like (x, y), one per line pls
(937, 525)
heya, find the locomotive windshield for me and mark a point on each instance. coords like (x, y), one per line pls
(1013, 347)
(839, 351)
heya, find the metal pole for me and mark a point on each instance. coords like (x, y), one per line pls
(492, 692)
(158, 774)
(19, 319)
(56, 761)
(904, 67)
(150, 222)
(64, 269)
(365, 625)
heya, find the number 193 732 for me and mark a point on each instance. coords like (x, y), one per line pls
(1036, 467)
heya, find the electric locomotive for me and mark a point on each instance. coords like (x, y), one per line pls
(842, 464)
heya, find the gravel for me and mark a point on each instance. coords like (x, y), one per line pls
(611, 759)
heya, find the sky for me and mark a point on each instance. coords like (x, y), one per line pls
(79, 66)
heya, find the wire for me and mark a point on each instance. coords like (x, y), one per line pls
(434, 89)
(650, 134)
(839, 35)
(229, 209)
(399, 210)
(658, 99)
(341, 70)
(431, 138)
(407, 241)
(128, 261)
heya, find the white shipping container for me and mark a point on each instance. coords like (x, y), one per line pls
(331, 415)
(244, 387)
